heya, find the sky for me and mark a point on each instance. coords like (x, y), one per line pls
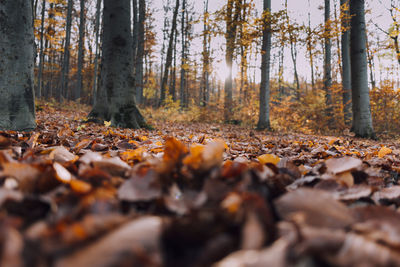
(298, 10)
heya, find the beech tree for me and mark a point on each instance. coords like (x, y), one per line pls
(327, 61)
(65, 66)
(115, 99)
(263, 120)
(362, 120)
(16, 66)
(168, 60)
(232, 15)
(346, 77)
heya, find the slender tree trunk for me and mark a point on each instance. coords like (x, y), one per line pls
(362, 120)
(41, 54)
(16, 66)
(96, 59)
(205, 54)
(370, 59)
(65, 67)
(172, 83)
(346, 68)
(293, 53)
(263, 119)
(117, 82)
(79, 87)
(338, 43)
(310, 49)
(140, 52)
(183, 57)
(168, 61)
(327, 63)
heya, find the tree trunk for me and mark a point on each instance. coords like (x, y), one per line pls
(41, 54)
(370, 60)
(168, 61)
(346, 68)
(65, 67)
(327, 63)
(362, 121)
(183, 57)
(79, 87)
(230, 36)
(206, 56)
(16, 66)
(117, 82)
(135, 34)
(263, 119)
(140, 53)
(96, 59)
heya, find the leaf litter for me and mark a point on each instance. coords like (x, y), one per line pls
(81, 194)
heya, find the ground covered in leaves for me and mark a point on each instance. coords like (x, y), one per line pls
(80, 194)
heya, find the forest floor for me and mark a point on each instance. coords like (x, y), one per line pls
(194, 194)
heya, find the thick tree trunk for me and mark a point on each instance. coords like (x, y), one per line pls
(65, 67)
(41, 53)
(362, 121)
(230, 36)
(346, 68)
(168, 61)
(117, 83)
(135, 33)
(263, 119)
(16, 66)
(327, 63)
(140, 53)
(79, 87)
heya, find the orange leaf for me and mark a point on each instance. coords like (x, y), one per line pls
(384, 151)
(80, 187)
(268, 158)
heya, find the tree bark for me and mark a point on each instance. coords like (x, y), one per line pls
(168, 61)
(362, 121)
(205, 56)
(327, 63)
(96, 59)
(232, 16)
(16, 66)
(135, 33)
(183, 57)
(65, 67)
(263, 119)
(41, 53)
(117, 83)
(140, 53)
(346, 68)
(79, 87)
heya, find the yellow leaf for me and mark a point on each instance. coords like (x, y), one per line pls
(133, 155)
(384, 151)
(143, 138)
(159, 143)
(332, 141)
(268, 158)
(107, 123)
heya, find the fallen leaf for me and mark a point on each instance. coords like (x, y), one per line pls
(314, 207)
(384, 151)
(340, 165)
(269, 158)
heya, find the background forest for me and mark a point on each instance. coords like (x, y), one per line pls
(181, 48)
